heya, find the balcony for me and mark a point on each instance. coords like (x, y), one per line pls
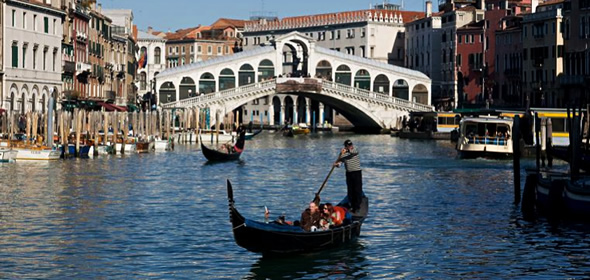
(82, 67)
(109, 94)
(82, 37)
(513, 73)
(571, 80)
(538, 62)
(69, 67)
(119, 68)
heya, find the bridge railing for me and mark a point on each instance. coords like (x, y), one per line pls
(233, 92)
(220, 95)
(378, 96)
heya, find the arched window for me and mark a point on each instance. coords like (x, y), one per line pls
(324, 70)
(400, 89)
(157, 55)
(362, 79)
(227, 79)
(343, 75)
(246, 75)
(381, 84)
(207, 83)
(266, 70)
(167, 93)
(187, 88)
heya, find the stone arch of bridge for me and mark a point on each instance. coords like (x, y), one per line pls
(363, 119)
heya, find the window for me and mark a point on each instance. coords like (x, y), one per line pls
(15, 55)
(199, 49)
(142, 81)
(34, 22)
(157, 55)
(54, 58)
(46, 24)
(192, 49)
(183, 50)
(209, 49)
(219, 52)
(24, 20)
(24, 54)
(35, 57)
(54, 27)
(45, 59)
(226, 49)
(338, 35)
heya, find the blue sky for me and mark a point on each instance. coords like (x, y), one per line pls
(164, 15)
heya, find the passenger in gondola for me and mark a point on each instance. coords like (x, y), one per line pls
(326, 217)
(310, 218)
(338, 214)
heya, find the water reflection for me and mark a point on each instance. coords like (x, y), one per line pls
(345, 262)
(165, 215)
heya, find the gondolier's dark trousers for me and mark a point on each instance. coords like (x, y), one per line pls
(354, 183)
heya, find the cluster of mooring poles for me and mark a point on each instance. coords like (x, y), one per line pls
(106, 132)
(548, 191)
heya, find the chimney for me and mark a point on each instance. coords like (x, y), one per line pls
(99, 8)
(428, 8)
(150, 30)
(534, 4)
(480, 4)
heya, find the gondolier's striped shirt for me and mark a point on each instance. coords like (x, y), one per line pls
(351, 160)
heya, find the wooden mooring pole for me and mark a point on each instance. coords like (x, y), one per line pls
(516, 158)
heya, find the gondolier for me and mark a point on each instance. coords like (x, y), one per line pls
(354, 178)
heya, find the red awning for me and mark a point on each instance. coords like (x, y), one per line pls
(108, 107)
(119, 108)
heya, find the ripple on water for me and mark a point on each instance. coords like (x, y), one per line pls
(165, 215)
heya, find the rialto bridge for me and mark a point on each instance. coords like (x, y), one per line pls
(296, 81)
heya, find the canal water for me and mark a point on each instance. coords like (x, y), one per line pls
(164, 215)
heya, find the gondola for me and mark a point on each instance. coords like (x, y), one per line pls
(216, 155)
(282, 239)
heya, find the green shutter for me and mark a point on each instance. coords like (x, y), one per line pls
(15, 56)
(46, 22)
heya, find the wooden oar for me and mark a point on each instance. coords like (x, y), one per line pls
(316, 199)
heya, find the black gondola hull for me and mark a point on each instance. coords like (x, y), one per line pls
(214, 155)
(273, 238)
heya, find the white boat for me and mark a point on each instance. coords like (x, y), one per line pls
(163, 145)
(485, 136)
(7, 155)
(129, 148)
(37, 153)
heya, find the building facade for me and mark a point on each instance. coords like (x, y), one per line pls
(543, 56)
(424, 51)
(376, 33)
(150, 62)
(575, 80)
(123, 56)
(32, 34)
(509, 62)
